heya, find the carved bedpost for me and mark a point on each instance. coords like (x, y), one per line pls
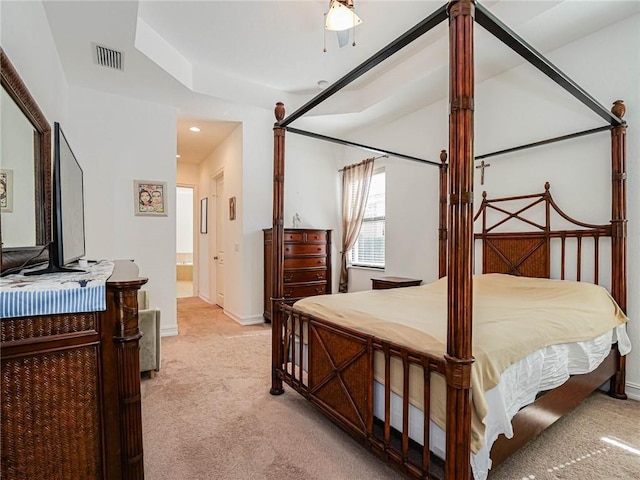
(442, 227)
(619, 232)
(277, 252)
(460, 239)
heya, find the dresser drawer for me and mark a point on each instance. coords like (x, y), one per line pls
(293, 237)
(304, 249)
(316, 237)
(305, 236)
(303, 276)
(304, 291)
(305, 262)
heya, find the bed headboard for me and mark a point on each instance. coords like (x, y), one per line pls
(528, 253)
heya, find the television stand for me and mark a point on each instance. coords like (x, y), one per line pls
(52, 268)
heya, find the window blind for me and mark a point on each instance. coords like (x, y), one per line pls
(369, 247)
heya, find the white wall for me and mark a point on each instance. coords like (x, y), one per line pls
(255, 208)
(116, 140)
(188, 174)
(226, 159)
(27, 41)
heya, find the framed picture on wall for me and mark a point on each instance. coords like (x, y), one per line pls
(6, 191)
(204, 209)
(150, 198)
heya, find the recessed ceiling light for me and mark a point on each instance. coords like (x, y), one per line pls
(194, 129)
(177, 156)
(323, 84)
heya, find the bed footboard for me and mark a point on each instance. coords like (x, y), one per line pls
(368, 387)
(333, 367)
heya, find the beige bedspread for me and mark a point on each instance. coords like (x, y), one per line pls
(512, 317)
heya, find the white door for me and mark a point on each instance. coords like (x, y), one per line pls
(216, 270)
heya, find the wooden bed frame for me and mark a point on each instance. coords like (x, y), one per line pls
(339, 375)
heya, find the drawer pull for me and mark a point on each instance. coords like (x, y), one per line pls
(287, 294)
(288, 279)
(319, 276)
(319, 290)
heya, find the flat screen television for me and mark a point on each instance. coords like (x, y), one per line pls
(68, 243)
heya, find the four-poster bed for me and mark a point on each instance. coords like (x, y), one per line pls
(333, 365)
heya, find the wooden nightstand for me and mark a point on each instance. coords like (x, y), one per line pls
(382, 283)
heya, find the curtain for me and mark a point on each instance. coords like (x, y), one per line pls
(356, 180)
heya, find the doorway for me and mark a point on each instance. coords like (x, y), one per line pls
(216, 246)
(184, 241)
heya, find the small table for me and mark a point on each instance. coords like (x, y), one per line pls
(382, 283)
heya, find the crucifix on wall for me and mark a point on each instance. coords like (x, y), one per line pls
(482, 166)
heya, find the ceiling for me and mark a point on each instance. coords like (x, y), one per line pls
(193, 147)
(213, 59)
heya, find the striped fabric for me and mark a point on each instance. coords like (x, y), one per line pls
(50, 294)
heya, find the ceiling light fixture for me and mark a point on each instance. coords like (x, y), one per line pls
(194, 129)
(341, 18)
(178, 156)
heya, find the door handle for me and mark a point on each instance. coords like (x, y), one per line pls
(215, 258)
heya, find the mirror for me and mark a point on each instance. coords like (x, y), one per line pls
(25, 173)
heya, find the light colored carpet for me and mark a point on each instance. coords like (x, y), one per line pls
(208, 415)
(580, 445)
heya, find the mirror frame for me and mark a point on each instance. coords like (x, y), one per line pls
(13, 257)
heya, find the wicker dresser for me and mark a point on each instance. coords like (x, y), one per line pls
(307, 265)
(71, 390)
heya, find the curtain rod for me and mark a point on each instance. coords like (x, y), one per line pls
(359, 145)
(545, 142)
(374, 158)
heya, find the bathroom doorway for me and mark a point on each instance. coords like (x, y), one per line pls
(184, 241)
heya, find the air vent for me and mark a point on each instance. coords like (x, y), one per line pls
(107, 57)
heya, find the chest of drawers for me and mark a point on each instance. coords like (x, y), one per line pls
(307, 265)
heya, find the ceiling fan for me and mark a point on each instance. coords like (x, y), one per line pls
(342, 19)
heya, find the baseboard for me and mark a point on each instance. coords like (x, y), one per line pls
(169, 331)
(206, 299)
(633, 391)
(244, 321)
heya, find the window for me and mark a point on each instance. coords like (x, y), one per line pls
(368, 250)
